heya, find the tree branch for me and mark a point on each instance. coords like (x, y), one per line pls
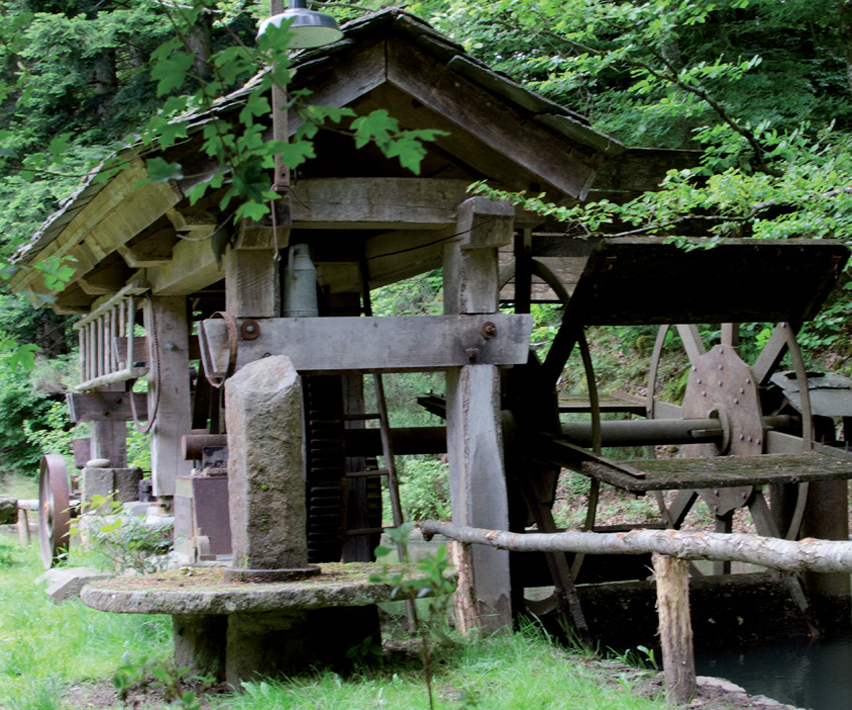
(808, 554)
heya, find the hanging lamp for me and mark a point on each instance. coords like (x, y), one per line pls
(309, 27)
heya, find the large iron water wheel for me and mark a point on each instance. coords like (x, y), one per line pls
(721, 385)
(54, 513)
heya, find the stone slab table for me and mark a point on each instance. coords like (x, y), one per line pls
(241, 630)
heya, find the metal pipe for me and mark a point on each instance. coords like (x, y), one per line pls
(640, 432)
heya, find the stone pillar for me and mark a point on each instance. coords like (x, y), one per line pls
(474, 434)
(266, 486)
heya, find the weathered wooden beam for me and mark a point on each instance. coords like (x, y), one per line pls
(71, 301)
(140, 349)
(376, 203)
(397, 255)
(192, 219)
(154, 250)
(365, 70)
(252, 283)
(474, 425)
(569, 167)
(193, 266)
(105, 405)
(107, 280)
(169, 399)
(672, 577)
(399, 344)
(113, 217)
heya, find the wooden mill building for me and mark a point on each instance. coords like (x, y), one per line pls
(145, 256)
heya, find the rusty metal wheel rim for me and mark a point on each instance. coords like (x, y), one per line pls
(54, 516)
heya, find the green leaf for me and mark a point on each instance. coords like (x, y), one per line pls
(171, 72)
(160, 170)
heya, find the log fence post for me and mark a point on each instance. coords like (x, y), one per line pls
(672, 577)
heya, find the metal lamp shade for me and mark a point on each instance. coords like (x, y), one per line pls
(311, 28)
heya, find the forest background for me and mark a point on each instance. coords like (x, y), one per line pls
(761, 88)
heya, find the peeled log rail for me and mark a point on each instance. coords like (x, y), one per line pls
(809, 554)
(670, 548)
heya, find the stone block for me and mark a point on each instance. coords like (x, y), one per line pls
(8, 510)
(122, 482)
(266, 487)
(64, 583)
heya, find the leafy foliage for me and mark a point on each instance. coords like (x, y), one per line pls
(125, 540)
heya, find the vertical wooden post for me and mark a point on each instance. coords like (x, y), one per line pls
(826, 518)
(252, 287)
(672, 575)
(474, 434)
(169, 399)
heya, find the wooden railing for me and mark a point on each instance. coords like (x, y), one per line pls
(671, 550)
(108, 348)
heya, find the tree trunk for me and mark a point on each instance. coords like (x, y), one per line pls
(199, 41)
(845, 28)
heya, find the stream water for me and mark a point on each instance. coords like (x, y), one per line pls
(817, 676)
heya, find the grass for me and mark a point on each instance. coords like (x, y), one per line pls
(512, 672)
(46, 649)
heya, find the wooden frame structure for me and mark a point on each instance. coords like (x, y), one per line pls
(367, 223)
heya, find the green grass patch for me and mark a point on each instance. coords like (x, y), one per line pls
(45, 648)
(512, 672)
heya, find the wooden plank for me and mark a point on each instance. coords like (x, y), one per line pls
(737, 281)
(461, 149)
(376, 203)
(556, 161)
(470, 262)
(721, 471)
(140, 349)
(397, 255)
(107, 280)
(352, 76)
(399, 344)
(105, 405)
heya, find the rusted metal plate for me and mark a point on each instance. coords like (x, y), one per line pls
(721, 385)
(645, 280)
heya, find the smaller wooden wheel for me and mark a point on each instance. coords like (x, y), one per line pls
(54, 515)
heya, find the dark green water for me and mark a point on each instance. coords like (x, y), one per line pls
(817, 676)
